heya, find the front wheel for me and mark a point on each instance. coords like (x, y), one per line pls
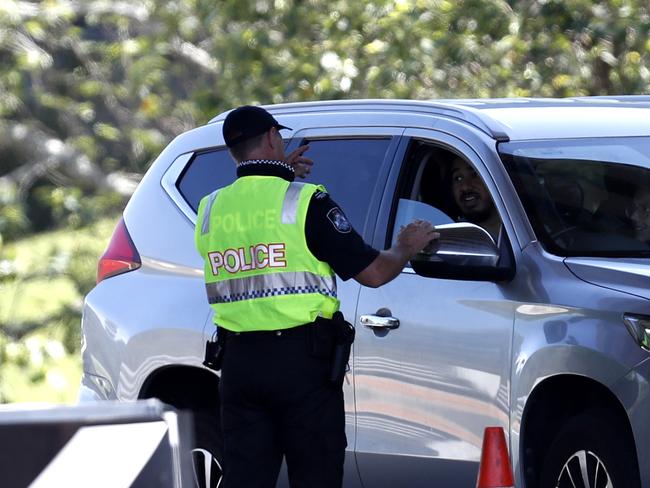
(592, 450)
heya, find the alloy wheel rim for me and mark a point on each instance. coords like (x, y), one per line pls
(584, 469)
(210, 473)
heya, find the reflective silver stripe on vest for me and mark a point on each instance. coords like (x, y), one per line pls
(290, 204)
(205, 226)
(270, 285)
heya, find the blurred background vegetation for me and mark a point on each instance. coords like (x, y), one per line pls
(92, 90)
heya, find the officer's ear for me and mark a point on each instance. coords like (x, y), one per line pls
(273, 135)
(274, 139)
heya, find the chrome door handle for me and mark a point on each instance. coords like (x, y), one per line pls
(377, 322)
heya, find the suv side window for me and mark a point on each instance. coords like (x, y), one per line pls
(206, 172)
(349, 169)
(442, 187)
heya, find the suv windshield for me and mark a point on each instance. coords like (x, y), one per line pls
(585, 197)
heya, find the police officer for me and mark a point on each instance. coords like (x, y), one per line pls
(272, 247)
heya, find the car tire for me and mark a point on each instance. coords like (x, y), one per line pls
(207, 452)
(594, 444)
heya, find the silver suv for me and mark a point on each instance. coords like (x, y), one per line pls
(540, 324)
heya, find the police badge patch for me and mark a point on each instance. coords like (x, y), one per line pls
(339, 220)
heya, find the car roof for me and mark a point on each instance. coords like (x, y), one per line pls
(509, 119)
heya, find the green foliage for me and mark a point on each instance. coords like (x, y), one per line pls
(42, 283)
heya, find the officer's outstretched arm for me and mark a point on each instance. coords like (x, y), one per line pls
(410, 241)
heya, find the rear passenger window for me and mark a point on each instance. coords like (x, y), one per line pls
(348, 168)
(206, 172)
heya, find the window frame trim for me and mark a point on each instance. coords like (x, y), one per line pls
(385, 217)
(169, 183)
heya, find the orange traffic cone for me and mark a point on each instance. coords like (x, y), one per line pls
(495, 470)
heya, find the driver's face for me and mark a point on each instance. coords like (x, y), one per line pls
(469, 192)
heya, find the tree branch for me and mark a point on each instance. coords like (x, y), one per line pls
(49, 153)
(195, 55)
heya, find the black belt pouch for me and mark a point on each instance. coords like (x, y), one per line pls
(322, 335)
(342, 345)
(214, 349)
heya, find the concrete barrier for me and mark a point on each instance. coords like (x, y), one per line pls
(104, 444)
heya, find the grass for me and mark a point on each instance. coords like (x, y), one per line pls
(53, 382)
(42, 282)
(35, 299)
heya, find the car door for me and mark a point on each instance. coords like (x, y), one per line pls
(431, 356)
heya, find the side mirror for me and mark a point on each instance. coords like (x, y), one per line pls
(464, 251)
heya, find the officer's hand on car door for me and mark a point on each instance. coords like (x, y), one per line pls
(301, 164)
(416, 236)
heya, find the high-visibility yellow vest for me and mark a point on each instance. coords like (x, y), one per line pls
(259, 271)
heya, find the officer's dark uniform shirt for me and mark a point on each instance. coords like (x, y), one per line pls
(329, 235)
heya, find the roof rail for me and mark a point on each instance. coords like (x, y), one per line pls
(449, 108)
(617, 98)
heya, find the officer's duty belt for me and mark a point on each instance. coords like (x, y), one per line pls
(292, 332)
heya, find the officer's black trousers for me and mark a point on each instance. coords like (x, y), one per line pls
(276, 401)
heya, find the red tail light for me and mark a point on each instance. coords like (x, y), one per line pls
(120, 256)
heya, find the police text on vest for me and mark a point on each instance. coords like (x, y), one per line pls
(259, 256)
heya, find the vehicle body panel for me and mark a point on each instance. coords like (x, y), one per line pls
(428, 388)
(627, 275)
(114, 317)
(634, 392)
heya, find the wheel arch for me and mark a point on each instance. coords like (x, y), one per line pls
(550, 404)
(184, 387)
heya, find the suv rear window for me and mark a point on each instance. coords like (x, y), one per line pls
(206, 172)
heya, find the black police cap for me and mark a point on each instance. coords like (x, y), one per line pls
(245, 122)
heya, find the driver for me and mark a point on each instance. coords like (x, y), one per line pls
(473, 198)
